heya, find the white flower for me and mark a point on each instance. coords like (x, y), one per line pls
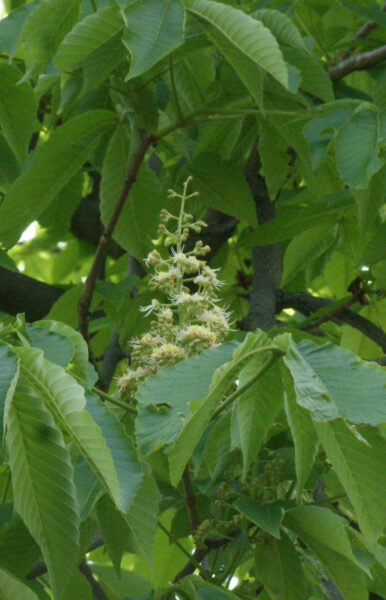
(150, 307)
(184, 298)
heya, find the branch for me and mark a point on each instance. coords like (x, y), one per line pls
(97, 592)
(307, 304)
(265, 259)
(20, 293)
(190, 500)
(89, 286)
(357, 63)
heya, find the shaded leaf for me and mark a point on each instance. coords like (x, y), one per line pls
(56, 347)
(11, 588)
(153, 29)
(142, 516)
(18, 107)
(324, 532)
(267, 516)
(9, 373)
(55, 162)
(281, 26)
(115, 531)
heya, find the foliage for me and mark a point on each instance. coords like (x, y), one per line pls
(242, 452)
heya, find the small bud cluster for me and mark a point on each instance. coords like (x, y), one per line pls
(187, 322)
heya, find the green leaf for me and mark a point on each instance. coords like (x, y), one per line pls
(207, 591)
(66, 400)
(274, 158)
(303, 433)
(129, 468)
(56, 347)
(315, 79)
(359, 397)
(222, 186)
(88, 488)
(245, 33)
(324, 533)
(54, 164)
(153, 29)
(369, 202)
(138, 222)
(142, 516)
(267, 516)
(9, 373)
(278, 568)
(255, 410)
(194, 426)
(281, 26)
(99, 63)
(18, 550)
(44, 29)
(305, 248)
(18, 107)
(11, 588)
(11, 26)
(361, 471)
(115, 531)
(371, 11)
(79, 358)
(42, 480)
(164, 398)
(357, 163)
(89, 36)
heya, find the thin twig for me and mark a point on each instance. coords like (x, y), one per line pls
(328, 316)
(104, 395)
(190, 500)
(89, 286)
(357, 63)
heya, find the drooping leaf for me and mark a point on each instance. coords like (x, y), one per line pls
(17, 111)
(88, 488)
(357, 163)
(324, 532)
(279, 569)
(369, 202)
(153, 29)
(361, 397)
(99, 63)
(42, 480)
(12, 25)
(44, 29)
(256, 409)
(138, 222)
(89, 35)
(9, 373)
(222, 186)
(245, 34)
(371, 11)
(129, 468)
(305, 439)
(164, 398)
(18, 550)
(267, 516)
(315, 79)
(115, 531)
(55, 162)
(361, 471)
(66, 400)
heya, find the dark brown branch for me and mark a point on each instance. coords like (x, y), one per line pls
(89, 286)
(20, 293)
(307, 304)
(357, 63)
(265, 259)
(190, 500)
(97, 592)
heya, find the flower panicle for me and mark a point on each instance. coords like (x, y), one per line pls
(190, 319)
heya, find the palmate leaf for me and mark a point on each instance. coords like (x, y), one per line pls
(153, 29)
(138, 222)
(17, 111)
(42, 480)
(278, 567)
(361, 471)
(65, 398)
(44, 29)
(245, 33)
(89, 36)
(324, 533)
(54, 164)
